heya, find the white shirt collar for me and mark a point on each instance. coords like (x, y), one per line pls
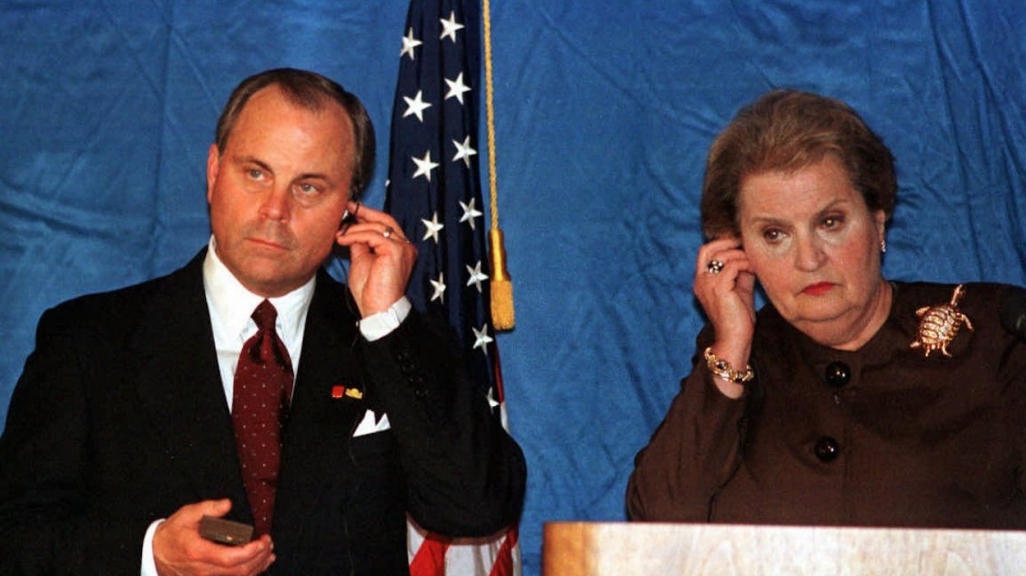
(231, 304)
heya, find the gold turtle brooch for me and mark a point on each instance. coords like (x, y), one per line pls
(938, 325)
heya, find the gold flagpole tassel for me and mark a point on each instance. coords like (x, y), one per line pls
(503, 316)
(501, 284)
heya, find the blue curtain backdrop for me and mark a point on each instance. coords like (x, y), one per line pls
(604, 112)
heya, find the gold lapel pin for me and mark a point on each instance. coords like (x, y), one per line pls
(340, 391)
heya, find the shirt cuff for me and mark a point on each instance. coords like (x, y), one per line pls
(149, 565)
(382, 324)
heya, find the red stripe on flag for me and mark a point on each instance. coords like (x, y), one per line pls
(430, 557)
(504, 560)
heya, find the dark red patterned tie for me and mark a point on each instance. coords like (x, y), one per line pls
(263, 386)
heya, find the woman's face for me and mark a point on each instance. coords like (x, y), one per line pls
(815, 248)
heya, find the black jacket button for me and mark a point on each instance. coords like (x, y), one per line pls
(838, 374)
(826, 449)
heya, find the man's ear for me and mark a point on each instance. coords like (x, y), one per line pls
(213, 169)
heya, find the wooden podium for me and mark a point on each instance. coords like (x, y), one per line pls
(635, 549)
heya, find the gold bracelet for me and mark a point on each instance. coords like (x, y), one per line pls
(722, 369)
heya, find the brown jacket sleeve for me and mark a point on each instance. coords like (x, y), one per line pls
(693, 452)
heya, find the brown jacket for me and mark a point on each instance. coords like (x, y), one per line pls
(902, 440)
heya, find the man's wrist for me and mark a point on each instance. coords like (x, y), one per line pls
(381, 324)
(149, 565)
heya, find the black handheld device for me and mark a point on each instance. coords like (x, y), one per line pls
(226, 532)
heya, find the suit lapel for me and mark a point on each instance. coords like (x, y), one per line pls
(180, 385)
(321, 419)
(178, 381)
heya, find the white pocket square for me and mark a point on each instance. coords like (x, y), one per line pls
(371, 424)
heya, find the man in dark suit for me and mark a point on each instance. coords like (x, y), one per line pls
(120, 437)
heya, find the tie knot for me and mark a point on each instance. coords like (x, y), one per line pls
(265, 315)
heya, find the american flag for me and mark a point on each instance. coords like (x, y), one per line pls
(434, 192)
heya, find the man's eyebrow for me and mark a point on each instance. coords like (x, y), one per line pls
(253, 160)
(314, 175)
(267, 168)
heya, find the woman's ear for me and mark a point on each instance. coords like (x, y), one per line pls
(881, 228)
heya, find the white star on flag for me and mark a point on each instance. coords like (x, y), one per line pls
(424, 166)
(463, 151)
(433, 227)
(469, 212)
(416, 105)
(456, 88)
(476, 276)
(449, 27)
(439, 286)
(482, 338)
(409, 43)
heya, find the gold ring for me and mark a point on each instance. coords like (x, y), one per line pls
(714, 267)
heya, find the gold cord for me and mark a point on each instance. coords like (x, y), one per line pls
(503, 316)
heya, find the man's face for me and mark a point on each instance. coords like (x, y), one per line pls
(279, 190)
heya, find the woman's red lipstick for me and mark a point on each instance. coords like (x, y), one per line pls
(818, 289)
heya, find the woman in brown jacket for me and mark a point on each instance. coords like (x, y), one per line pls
(847, 399)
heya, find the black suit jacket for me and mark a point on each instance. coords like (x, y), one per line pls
(119, 418)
